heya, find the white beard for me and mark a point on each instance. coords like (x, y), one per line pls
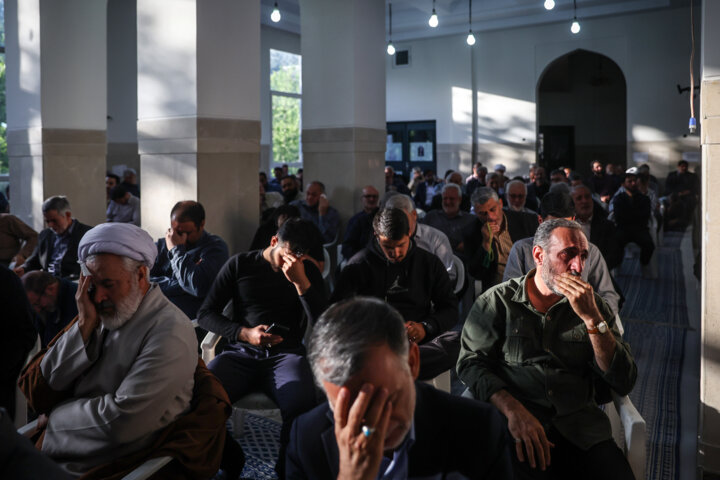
(124, 310)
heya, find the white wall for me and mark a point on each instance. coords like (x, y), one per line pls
(651, 48)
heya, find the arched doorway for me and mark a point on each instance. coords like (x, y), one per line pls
(582, 112)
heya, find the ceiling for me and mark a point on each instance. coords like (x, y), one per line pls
(410, 17)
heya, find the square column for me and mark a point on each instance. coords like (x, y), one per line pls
(709, 123)
(199, 113)
(56, 106)
(343, 114)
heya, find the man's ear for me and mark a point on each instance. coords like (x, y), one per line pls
(538, 255)
(414, 359)
(274, 241)
(202, 225)
(539, 219)
(501, 202)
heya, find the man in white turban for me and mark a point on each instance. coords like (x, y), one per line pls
(126, 366)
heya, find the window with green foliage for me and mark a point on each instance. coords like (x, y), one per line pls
(286, 104)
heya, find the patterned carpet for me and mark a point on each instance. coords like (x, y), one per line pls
(260, 441)
(655, 319)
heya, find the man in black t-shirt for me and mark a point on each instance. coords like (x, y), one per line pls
(274, 286)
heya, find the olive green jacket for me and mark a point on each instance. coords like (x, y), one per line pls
(546, 361)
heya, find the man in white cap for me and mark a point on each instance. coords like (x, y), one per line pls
(124, 370)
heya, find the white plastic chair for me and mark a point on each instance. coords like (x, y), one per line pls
(629, 432)
(142, 472)
(255, 400)
(459, 267)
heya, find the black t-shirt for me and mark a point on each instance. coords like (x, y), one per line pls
(261, 296)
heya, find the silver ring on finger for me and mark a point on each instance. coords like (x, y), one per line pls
(367, 431)
(518, 440)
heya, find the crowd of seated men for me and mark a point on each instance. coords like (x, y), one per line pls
(118, 378)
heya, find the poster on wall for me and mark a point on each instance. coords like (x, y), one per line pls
(421, 151)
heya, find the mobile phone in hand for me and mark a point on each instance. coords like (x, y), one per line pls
(277, 329)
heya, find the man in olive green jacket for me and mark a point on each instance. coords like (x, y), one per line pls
(536, 347)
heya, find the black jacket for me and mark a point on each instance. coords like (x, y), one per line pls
(40, 258)
(418, 286)
(602, 234)
(452, 435)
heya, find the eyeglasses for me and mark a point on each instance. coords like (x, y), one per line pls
(370, 196)
(516, 195)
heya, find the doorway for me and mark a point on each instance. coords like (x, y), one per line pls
(582, 112)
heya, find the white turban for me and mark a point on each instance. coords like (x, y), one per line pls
(124, 239)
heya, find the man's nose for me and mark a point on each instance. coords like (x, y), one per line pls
(577, 264)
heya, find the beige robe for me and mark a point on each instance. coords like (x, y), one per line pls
(127, 384)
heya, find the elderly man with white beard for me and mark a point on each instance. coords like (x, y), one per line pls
(126, 365)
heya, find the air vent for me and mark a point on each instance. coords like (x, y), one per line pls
(401, 59)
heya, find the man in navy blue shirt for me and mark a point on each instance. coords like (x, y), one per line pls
(189, 258)
(56, 251)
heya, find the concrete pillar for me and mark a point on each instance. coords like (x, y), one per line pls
(56, 105)
(343, 105)
(122, 147)
(709, 428)
(199, 113)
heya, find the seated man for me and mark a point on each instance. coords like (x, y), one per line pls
(124, 370)
(123, 207)
(536, 347)
(188, 258)
(596, 227)
(17, 240)
(130, 182)
(451, 219)
(631, 210)
(317, 209)
(378, 422)
(426, 237)
(290, 189)
(18, 337)
(489, 239)
(359, 229)
(411, 279)
(56, 251)
(272, 287)
(395, 183)
(111, 181)
(516, 196)
(453, 178)
(425, 190)
(596, 273)
(53, 300)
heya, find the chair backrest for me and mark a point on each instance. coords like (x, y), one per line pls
(327, 266)
(459, 267)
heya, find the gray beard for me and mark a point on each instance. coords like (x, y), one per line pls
(548, 273)
(124, 310)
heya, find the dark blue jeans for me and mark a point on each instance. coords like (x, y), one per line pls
(283, 374)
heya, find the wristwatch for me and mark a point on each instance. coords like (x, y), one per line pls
(600, 328)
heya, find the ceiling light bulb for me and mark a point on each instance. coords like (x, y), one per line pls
(390, 48)
(549, 4)
(575, 27)
(275, 15)
(471, 39)
(433, 22)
